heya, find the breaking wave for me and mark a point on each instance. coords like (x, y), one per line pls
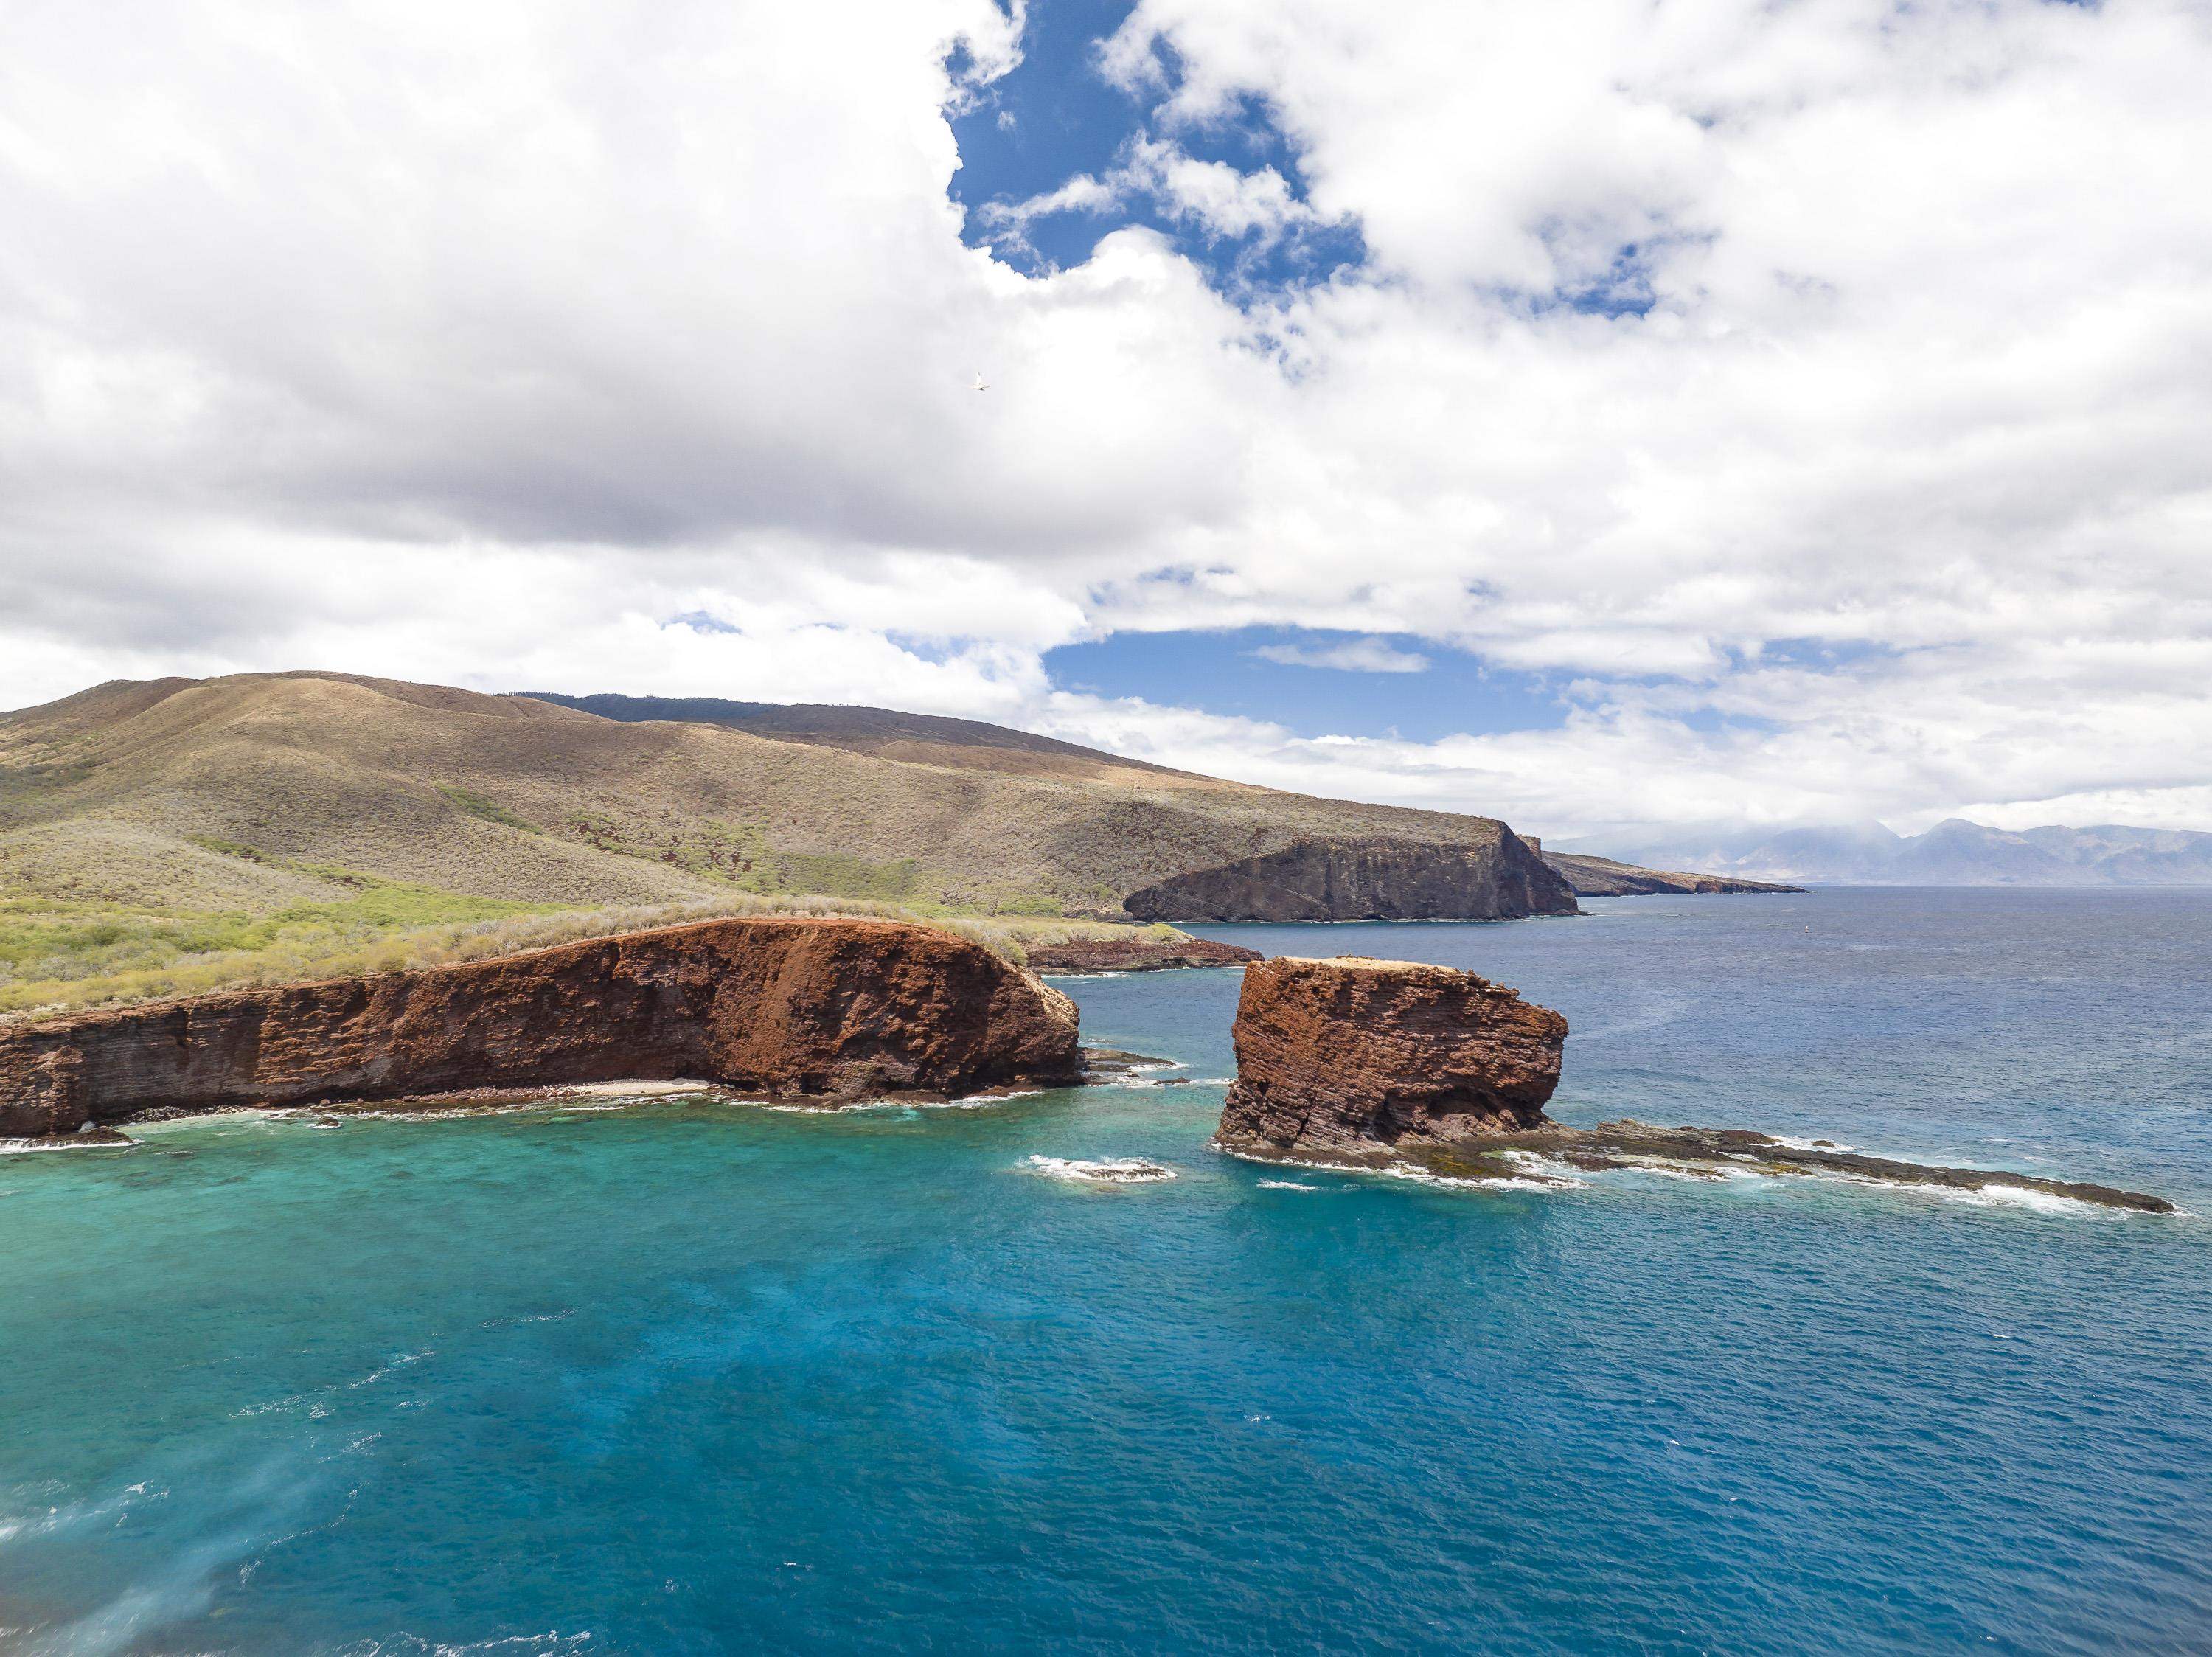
(1101, 1171)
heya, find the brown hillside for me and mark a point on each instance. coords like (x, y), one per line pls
(887, 734)
(124, 792)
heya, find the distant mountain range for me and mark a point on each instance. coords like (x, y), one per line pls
(1955, 852)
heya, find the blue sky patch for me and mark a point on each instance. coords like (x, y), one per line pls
(1225, 672)
(1056, 117)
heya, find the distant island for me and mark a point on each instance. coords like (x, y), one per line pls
(1607, 877)
(1953, 853)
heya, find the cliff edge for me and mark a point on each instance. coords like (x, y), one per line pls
(1366, 878)
(834, 1009)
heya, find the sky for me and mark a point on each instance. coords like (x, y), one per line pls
(1609, 415)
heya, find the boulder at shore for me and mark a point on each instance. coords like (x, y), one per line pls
(779, 1006)
(1351, 1055)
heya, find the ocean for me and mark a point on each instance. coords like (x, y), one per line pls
(697, 1377)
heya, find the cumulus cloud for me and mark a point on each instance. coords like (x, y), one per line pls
(1817, 393)
(1359, 655)
(1223, 202)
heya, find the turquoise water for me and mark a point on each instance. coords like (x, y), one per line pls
(703, 1378)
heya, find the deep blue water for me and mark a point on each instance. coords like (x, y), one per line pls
(704, 1378)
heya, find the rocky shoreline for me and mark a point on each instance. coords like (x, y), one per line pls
(824, 1008)
(1350, 1063)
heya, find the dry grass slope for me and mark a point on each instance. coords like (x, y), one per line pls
(174, 834)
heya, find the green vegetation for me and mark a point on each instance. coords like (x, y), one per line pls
(53, 954)
(54, 957)
(223, 848)
(740, 854)
(491, 811)
(840, 875)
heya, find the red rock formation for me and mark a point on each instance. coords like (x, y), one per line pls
(1353, 1056)
(843, 1009)
(1138, 953)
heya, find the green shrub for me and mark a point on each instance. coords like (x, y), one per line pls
(491, 811)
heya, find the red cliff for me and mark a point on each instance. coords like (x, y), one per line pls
(832, 1008)
(1348, 1056)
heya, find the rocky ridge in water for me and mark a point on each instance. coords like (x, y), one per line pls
(1404, 1066)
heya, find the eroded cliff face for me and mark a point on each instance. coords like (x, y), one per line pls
(1351, 1056)
(783, 1006)
(1377, 878)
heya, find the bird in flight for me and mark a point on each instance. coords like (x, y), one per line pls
(979, 384)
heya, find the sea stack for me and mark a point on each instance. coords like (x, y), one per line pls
(789, 1006)
(1342, 1059)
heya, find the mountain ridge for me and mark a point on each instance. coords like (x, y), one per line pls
(890, 734)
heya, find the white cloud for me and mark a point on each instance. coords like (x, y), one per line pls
(1359, 655)
(1212, 194)
(479, 345)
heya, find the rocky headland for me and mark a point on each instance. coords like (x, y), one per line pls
(1360, 1064)
(1366, 878)
(1137, 953)
(1607, 877)
(828, 1009)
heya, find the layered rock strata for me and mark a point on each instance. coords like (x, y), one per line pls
(1137, 953)
(829, 1009)
(1353, 1055)
(1373, 878)
(1354, 1063)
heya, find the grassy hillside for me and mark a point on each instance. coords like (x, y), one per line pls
(920, 738)
(159, 835)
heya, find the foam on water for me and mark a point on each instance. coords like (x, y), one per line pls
(1986, 1196)
(34, 1147)
(1424, 1177)
(1106, 1170)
